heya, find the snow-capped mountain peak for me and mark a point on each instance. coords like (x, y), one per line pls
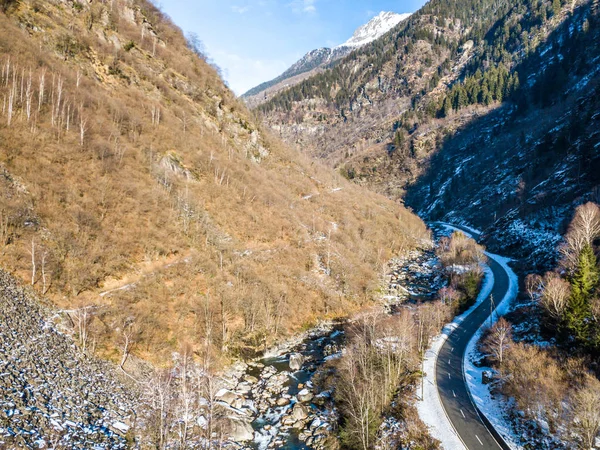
(321, 57)
(375, 28)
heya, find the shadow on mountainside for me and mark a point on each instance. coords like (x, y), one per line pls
(519, 171)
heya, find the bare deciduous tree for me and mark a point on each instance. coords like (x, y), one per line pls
(555, 295)
(83, 318)
(28, 97)
(186, 396)
(586, 413)
(11, 99)
(208, 323)
(155, 115)
(158, 392)
(533, 285)
(499, 339)
(128, 339)
(208, 387)
(4, 228)
(584, 228)
(41, 89)
(83, 125)
(56, 108)
(45, 275)
(31, 251)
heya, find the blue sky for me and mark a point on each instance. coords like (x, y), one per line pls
(256, 40)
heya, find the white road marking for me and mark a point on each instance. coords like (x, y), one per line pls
(479, 439)
(452, 349)
(463, 414)
(448, 375)
(453, 393)
(448, 361)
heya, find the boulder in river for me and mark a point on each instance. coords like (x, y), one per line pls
(250, 379)
(240, 430)
(299, 412)
(243, 388)
(296, 360)
(283, 401)
(304, 396)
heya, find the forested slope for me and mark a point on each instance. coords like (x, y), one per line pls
(522, 169)
(508, 86)
(136, 186)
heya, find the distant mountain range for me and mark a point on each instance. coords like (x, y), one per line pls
(323, 57)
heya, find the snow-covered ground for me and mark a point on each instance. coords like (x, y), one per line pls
(375, 28)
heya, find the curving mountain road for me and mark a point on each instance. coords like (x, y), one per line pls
(472, 427)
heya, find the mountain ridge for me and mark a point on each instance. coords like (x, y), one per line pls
(323, 57)
(384, 112)
(375, 28)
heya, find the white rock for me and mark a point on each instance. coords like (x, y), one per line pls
(296, 360)
(304, 396)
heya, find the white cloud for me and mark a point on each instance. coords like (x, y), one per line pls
(304, 6)
(240, 9)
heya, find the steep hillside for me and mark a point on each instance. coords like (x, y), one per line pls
(512, 76)
(520, 170)
(317, 60)
(134, 182)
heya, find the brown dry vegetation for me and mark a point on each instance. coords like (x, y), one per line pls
(377, 374)
(557, 384)
(462, 259)
(137, 168)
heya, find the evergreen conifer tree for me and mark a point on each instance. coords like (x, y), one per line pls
(583, 284)
(556, 7)
(447, 107)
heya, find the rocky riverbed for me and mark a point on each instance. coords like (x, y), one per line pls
(417, 276)
(273, 402)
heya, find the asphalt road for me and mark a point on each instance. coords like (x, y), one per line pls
(450, 378)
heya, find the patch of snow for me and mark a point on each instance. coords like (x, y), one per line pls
(122, 288)
(120, 426)
(374, 29)
(333, 356)
(459, 268)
